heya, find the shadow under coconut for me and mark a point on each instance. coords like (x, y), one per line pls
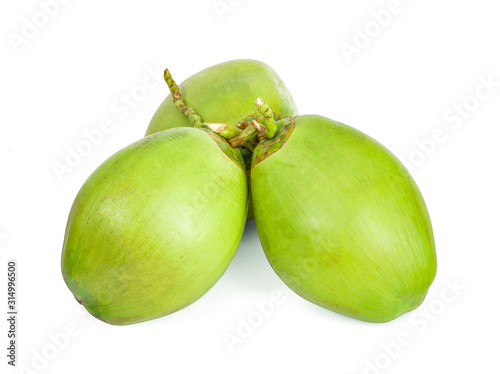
(250, 271)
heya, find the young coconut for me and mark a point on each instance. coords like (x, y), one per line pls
(223, 94)
(155, 226)
(341, 220)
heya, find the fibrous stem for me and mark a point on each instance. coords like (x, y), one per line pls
(268, 114)
(191, 114)
(243, 134)
(255, 129)
(224, 129)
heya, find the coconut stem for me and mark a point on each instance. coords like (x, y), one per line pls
(268, 114)
(191, 114)
(224, 129)
(255, 129)
(229, 132)
(241, 135)
(242, 125)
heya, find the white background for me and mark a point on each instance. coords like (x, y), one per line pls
(419, 67)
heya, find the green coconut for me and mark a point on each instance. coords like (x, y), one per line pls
(341, 220)
(155, 226)
(225, 93)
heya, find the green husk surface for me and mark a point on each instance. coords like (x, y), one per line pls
(341, 220)
(155, 226)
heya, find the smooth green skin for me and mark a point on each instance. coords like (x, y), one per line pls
(347, 228)
(154, 227)
(225, 93)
